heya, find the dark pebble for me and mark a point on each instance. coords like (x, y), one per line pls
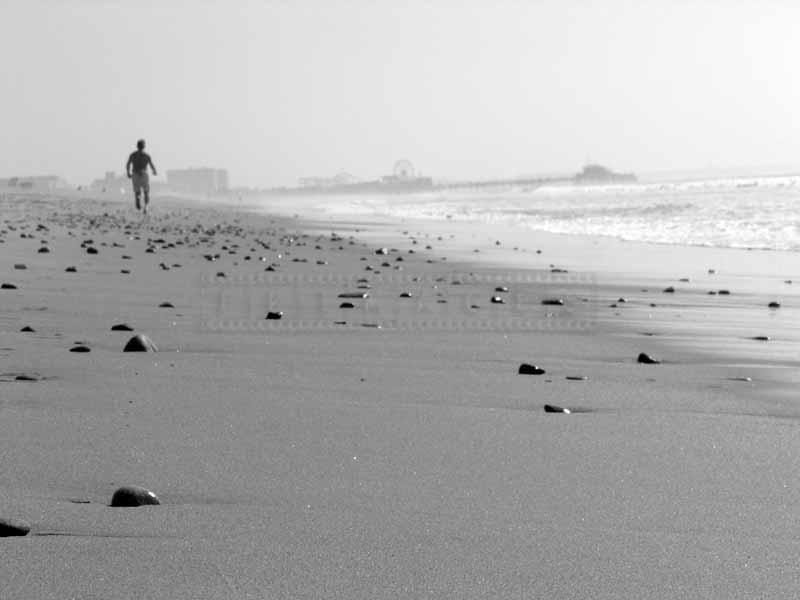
(25, 378)
(501, 288)
(552, 408)
(761, 338)
(274, 315)
(382, 251)
(20, 266)
(140, 343)
(27, 329)
(576, 377)
(526, 369)
(669, 290)
(8, 286)
(133, 495)
(91, 250)
(553, 302)
(80, 349)
(13, 527)
(353, 295)
(405, 295)
(121, 327)
(43, 250)
(70, 270)
(166, 305)
(774, 305)
(346, 305)
(646, 359)
(497, 300)
(724, 292)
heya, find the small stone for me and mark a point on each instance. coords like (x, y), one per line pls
(80, 348)
(497, 300)
(553, 302)
(774, 305)
(354, 295)
(346, 305)
(133, 495)
(646, 359)
(91, 250)
(166, 305)
(576, 377)
(552, 408)
(140, 343)
(669, 290)
(71, 270)
(274, 315)
(121, 327)
(405, 295)
(14, 527)
(8, 286)
(761, 338)
(27, 329)
(382, 251)
(724, 292)
(20, 266)
(125, 271)
(684, 280)
(526, 369)
(25, 378)
(43, 250)
(220, 274)
(501, 288)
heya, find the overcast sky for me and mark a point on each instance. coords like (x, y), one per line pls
(274, 91)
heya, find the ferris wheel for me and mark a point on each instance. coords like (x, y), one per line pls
(403, 169)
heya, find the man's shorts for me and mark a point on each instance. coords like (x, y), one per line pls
(141, 182)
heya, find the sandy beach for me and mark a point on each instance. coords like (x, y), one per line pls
(391, 449)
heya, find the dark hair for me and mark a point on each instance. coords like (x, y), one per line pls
(140, 144)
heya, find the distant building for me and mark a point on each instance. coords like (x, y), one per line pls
(201, 180)
(598, 174)
(36, 183)
(341, 178)
(111, 184)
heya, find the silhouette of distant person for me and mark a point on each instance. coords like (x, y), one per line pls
(139, 161)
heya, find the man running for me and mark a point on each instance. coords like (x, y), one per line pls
(140, 160)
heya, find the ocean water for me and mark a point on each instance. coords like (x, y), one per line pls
(759, 213)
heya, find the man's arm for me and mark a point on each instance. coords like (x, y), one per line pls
(128, 166)
(152, 166)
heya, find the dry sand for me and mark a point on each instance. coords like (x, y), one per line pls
(301, 458)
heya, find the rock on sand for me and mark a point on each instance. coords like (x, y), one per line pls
(140, 343)
(133, 495)
(13, 527)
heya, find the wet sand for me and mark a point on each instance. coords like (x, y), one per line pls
(383, 451)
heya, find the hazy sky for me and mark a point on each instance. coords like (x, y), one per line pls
(274, 91)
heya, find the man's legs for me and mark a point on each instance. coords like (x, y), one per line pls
(146, 199)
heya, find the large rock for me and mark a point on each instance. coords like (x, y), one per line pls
(140, 343)
(13, 527)
(134, 495)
